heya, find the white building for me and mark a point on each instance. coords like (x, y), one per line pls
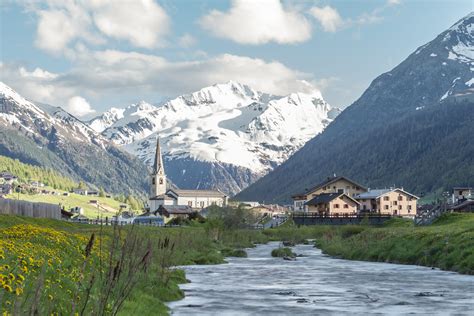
(160, 195)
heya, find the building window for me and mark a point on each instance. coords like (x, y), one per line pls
(161, 180)
(400, 198)
(190, 203)
(399, 207)
(395, 203)
(386, 198)
(336, 205)
(386, 207)
(409, 208)
(202, 203)
(153, 181)
(346, 206)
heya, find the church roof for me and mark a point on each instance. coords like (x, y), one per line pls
(198, 193)
(163, 197)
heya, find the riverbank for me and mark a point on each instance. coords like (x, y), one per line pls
(448, 244)
(69, 267)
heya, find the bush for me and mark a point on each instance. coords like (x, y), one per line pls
(228, 252)
(282, 252)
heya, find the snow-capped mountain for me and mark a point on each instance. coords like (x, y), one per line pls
(48, 136)
(223, 136)
(39, 119)
(107, 119)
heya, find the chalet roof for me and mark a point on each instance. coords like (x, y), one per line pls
(326, 198)
(462, 188)
(197, 193)
(327, 182)
(373, 194)
(176, 209)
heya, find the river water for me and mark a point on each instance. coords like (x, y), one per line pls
(320, 285)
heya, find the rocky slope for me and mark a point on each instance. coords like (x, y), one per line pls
(49, 136)
(412, 127)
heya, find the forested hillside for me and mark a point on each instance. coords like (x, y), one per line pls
(26, 173)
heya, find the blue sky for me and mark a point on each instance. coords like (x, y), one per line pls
(90, 55)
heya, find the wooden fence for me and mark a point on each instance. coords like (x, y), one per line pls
(31, 209)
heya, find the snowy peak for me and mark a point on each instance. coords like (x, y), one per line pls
(460, 40)
(229, 123)
(9, 95)
(43, 119)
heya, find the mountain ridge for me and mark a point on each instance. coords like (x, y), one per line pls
(231, 133)
(360, 142)
(48, 136)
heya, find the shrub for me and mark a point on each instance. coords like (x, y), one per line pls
(282, 252)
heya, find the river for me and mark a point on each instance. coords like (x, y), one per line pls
(320, 285)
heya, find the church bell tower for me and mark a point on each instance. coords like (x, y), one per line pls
(158, 176)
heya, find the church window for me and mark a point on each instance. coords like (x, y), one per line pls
(161, 180)
(153, 181)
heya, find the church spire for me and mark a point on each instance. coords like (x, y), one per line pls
(158, 165)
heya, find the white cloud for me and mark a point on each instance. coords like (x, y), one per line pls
(143, 23)
(258, 22)
(78, 106)
(61, 24)
(187, 40)
(329, 18)
(393, 2)
(112, 74)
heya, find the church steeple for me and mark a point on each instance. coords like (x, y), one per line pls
(158, 176)
(158, 165)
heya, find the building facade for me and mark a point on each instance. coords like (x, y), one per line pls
(388, 202)
(333, 204)
(330, 185)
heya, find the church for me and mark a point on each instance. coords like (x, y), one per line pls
(160, 195)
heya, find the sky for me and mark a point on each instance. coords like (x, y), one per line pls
(90, 55)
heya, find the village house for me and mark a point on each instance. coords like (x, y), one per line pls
(331, 185)
(7, 178)
(162, 196)
(462, 193)
(249, 204)
(269, 209)
(6, 189)
(170, 212)
(80, 191)
(333, 204)
(392, 201)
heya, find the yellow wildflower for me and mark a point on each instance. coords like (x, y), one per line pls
(18, 291)
(7, 288)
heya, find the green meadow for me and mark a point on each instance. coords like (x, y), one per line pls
(57, 267)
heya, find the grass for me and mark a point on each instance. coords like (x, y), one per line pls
(229, 252)
(73, 200)
(283, 252)
(447, 244)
